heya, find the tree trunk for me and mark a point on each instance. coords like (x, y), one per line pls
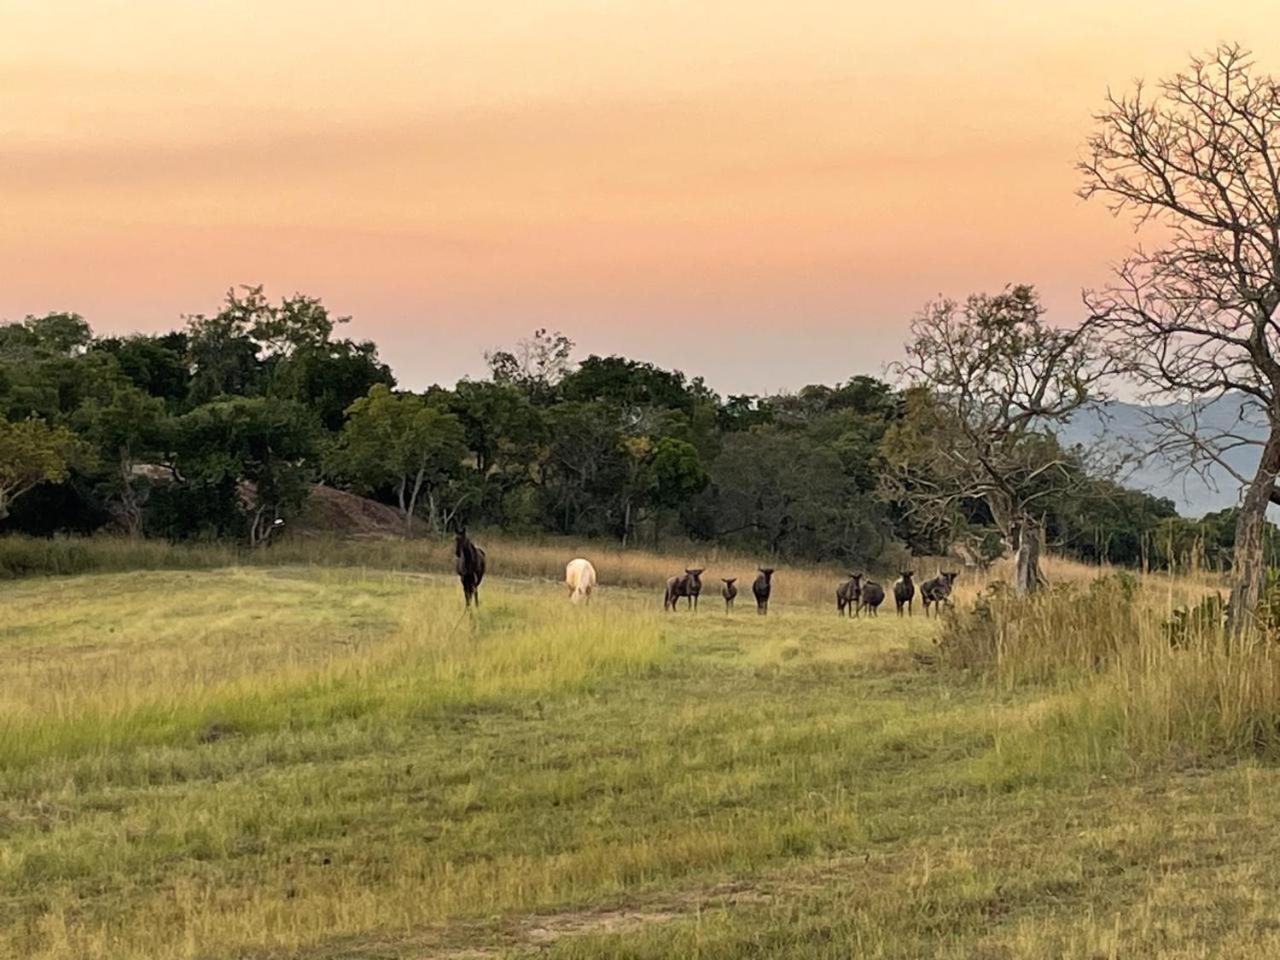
(130, 508)
(10, 494)
(1027, 577)
(255, 528)
(1248, 567)
(413, 504)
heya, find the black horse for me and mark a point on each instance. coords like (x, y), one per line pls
(469, 562)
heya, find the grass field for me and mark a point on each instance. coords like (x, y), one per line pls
(326, 760)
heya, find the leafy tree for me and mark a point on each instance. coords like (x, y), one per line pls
(536, 365)
(398, 440)
(223, 358)
(1208, 541)
(297, 323)
(257, 451)
(54, 334)
(658, 472)
(665, 424)
(44, 372)
(861, 396)
(1000, 378)
(503, 430)
(743, 412)
(155, 365)
(32, 452)
(779, 491)
(128, 431)
(328, 377)
(678, 472)
(16, 340)
(506, 435)
(639, 485)
(629, 383)
(1099, 521)
(232, 352)
(584, 469)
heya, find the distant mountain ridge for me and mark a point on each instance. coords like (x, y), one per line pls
(1123, 424)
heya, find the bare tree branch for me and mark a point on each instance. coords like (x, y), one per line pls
(994, 382)
(1194, 322)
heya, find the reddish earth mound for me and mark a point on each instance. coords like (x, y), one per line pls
(336, 513)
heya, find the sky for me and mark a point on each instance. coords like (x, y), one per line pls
(759, 192)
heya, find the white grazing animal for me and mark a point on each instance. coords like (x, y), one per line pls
(580, 578)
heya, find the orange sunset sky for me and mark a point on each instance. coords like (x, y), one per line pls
(758, 192)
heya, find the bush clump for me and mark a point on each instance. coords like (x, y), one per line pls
(1128, 683)
(1063, 628)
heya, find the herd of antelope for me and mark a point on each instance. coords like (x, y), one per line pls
(856, 595)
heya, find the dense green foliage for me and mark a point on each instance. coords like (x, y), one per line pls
(31, 452)
(217, 430)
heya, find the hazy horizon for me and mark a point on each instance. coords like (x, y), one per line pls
(762, 198)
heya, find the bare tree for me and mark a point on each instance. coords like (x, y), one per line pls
(537, 364)
(992, 381)
(1194, 320)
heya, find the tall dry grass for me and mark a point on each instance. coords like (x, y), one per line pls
(1126, 685)
(1097, 635)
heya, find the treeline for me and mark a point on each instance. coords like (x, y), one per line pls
(219, 429)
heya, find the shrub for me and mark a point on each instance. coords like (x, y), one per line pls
(1062, 629)
(1189, 625)
(1128, 684)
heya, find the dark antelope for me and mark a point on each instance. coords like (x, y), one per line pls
(872, 597)
(848, 595)
(937, 591)
(688, 586)
(762, 587)
(904, 592)
(728, 591)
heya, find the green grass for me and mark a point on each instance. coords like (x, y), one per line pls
(323, 762)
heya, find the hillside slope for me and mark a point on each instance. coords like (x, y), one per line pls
(332, 512)
(1125, 425)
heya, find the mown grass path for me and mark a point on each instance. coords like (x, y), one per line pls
(326, 763)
